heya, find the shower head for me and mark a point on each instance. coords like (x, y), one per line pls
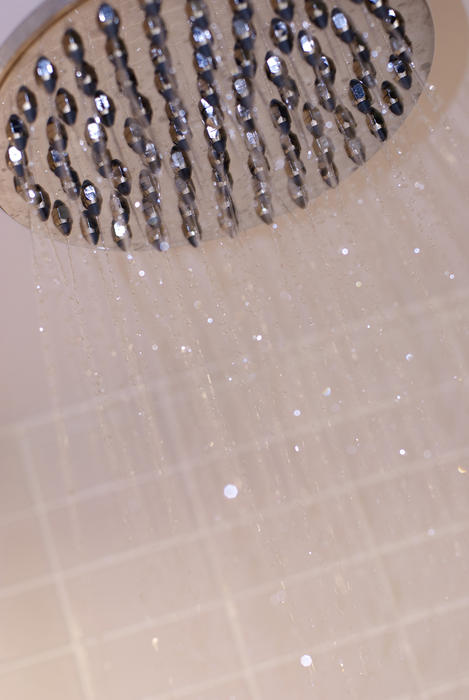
(147, 123)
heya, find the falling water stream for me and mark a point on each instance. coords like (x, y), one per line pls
(227, 371)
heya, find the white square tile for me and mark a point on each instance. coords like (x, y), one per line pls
(31, 623)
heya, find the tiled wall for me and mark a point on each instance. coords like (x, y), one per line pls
(339, 412)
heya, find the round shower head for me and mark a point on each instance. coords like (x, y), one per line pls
(147, 123)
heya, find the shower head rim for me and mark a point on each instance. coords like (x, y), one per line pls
(25, 34)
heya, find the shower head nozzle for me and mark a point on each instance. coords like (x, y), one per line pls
(147, 123)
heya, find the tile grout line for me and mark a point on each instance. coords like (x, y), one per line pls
(444, 688)
(323, 647)
(330, 645)
(194, 536)
(121, 484)
(79, 408)
(76, 644)
(400, 629)
(227, 601)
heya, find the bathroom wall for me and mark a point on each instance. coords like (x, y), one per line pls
(244, 473)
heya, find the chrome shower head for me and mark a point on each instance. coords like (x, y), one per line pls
(144, 123)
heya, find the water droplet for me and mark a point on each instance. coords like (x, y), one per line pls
(230, 491)
(306, 661)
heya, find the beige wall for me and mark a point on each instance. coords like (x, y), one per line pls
(329, 389)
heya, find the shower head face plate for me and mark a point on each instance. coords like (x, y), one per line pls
(144, 123)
